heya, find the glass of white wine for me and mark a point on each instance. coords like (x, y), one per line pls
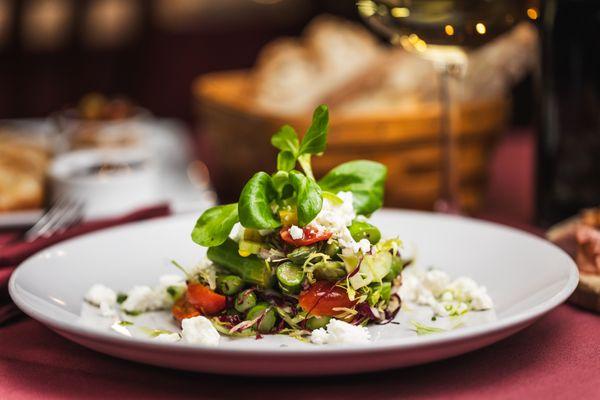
(443, 31)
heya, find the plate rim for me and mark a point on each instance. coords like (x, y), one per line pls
(520, 318)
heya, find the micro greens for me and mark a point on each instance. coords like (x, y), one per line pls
(181, 268)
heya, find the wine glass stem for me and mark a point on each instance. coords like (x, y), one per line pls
(448, 198)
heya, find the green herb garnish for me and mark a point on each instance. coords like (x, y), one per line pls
(425, 329)
(264, 195)
(121, 297)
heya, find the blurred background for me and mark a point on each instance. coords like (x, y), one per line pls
(53, 52)
(195, 88)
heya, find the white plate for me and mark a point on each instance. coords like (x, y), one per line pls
(526, 277)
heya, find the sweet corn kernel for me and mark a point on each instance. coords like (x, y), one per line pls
(288, 217)
(252, 235)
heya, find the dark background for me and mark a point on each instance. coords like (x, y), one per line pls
(155, 63)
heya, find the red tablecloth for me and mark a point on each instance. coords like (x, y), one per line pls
(558, 357)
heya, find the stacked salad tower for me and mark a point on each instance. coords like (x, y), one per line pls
(295, 253)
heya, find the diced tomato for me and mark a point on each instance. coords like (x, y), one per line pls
(322, 297)
(205, 300)
(309, 236)
(182, 310)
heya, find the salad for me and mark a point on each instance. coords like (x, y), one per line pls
(296, 253)
(298, 256)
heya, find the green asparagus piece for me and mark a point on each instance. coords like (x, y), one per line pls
(300, 254)
(251, 269)
(329, 270)
(230, 284)
(244, 301)
(290, 277)
(268, 320)
(332, 249)
(317, 322)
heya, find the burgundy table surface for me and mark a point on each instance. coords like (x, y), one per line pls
(558, 357)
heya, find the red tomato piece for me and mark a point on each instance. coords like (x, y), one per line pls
(205, 300)
(309, 236)
(182, 310)
(322, 297)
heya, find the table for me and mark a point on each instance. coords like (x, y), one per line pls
(558, 357)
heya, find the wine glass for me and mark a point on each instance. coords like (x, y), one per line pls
(444, 31)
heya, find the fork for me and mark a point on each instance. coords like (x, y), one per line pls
(62, 214)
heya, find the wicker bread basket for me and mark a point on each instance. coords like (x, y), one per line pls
(407, 142)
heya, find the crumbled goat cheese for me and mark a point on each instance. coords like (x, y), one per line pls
(207, 271)
(319, 336)
(414, 291)
(170, 280)
(236, 232)
(462, 285)
(165, 282)
(340, 332)
(296, 233)
(199, 330)
(436, 281)
(139, 298)
(467, 290)
(103, 297)
(117, 327)
(364, 245)
(142, 298)
(107, 310)
(336, 218)
(168, 337)
(481, 300)
(99, 293)
(435, 289)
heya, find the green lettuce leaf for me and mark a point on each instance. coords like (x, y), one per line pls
(364, 178)
(214, 225)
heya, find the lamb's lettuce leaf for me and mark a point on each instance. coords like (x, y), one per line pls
(293, 150)
(254, 206)
(364, 178)
(215, 224)
(308, 197)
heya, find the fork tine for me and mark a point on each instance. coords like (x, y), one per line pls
(33, 232)
(50, 223)
(71, 217)
(46, 216)
(63, 219)
(53, 219)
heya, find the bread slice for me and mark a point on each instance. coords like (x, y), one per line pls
(580, 237)
(291, 76)
(23, 167)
